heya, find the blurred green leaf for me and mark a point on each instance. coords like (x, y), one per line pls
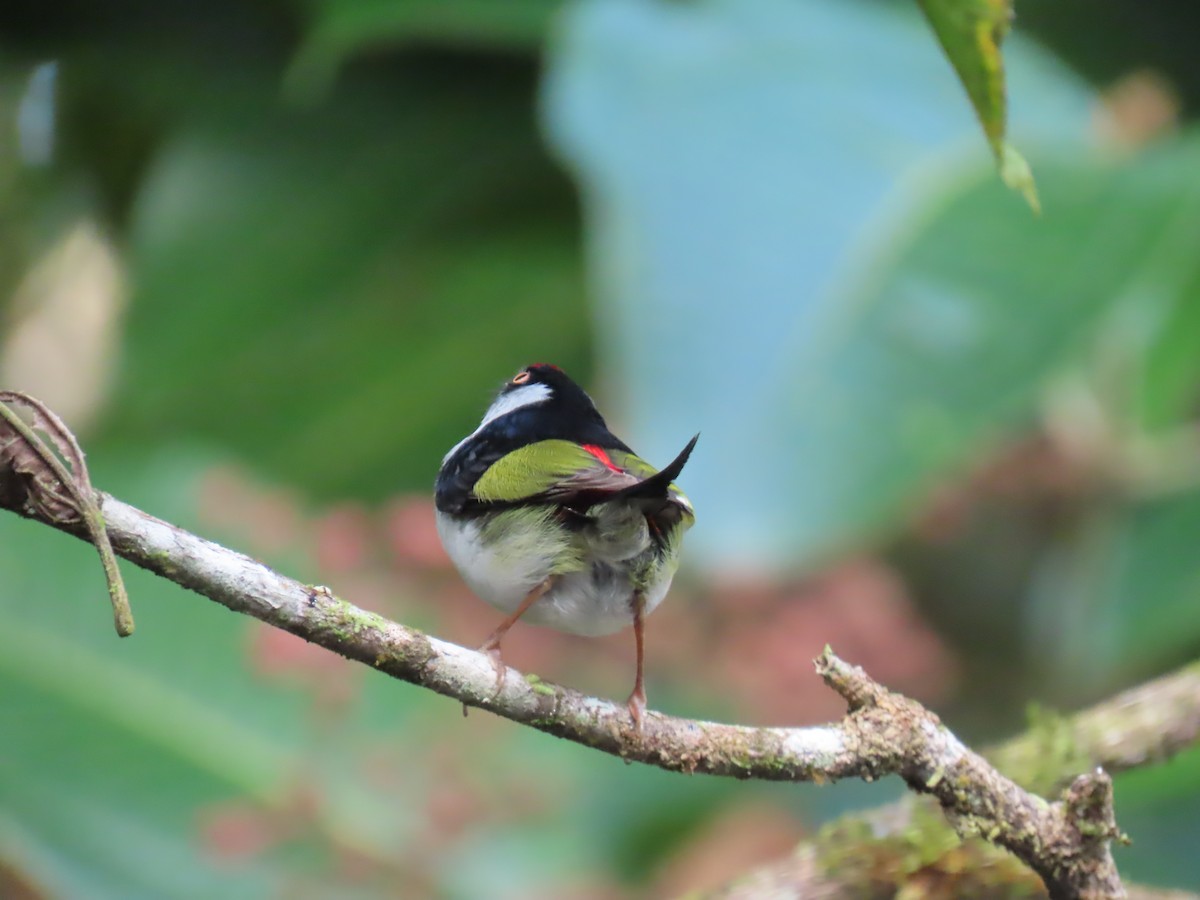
(33, 205)
(1169, 394)
(840, 331)
(116, 746)
(1156, 807)
(353, 25)
(1129, 592)
(971, 32)
(948, 343)
(1154, 584)
(341, 29)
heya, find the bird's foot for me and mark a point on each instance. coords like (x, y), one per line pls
(637, 707)
(493, 652)
(492, 649)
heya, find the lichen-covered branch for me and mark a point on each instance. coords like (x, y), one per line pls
(1065, 842)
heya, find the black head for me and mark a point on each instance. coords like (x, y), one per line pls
(541, 402)
(563, 398)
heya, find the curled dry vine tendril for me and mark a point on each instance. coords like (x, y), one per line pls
(54, 483)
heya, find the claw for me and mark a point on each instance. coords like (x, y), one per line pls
(637, 707)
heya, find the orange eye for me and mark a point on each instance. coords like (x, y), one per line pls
(520, 378)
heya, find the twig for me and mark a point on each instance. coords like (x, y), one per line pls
(1066, 843)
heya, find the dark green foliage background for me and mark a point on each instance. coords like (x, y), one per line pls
(344, 222)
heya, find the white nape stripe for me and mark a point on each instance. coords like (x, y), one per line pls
(526, 395)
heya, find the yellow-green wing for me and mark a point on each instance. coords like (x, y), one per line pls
(546, 470)
(632, 463)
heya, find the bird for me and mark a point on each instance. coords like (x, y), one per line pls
(551, 518)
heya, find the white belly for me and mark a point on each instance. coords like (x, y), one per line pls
(594, 601)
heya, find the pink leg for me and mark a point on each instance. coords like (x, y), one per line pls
(637, 700)
(492, 645)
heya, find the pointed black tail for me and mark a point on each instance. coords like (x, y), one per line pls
(656, 485)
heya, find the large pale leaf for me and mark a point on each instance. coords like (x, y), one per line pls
(1170, 359)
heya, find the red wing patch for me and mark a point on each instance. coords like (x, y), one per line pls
(602, 455)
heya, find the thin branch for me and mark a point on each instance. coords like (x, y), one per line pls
(1149, 723)
(1066, 843)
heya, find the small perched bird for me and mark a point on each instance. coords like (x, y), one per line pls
(549, 516)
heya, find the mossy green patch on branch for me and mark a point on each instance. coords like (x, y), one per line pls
(1046, 756)
(539, 687)
(921, 857)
